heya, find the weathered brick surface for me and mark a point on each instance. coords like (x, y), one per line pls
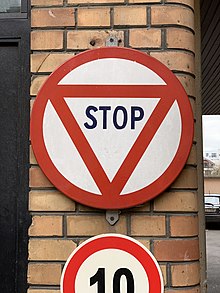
(193, 106)
(192, 159)
(145, 242)
(44, 273)
(47, 40)
(184, 226)
(176, 201)
(53, 17)
(32, 157)
(180, 39)
(48, 62)
(94, 17)
(176, 250)
(37, 82)
(176, 15)
(187, 179)
(188, 83)
(46, 226)
(88, 226)
(31, 107)
(142, 38)
(148, 225)
(127, 16)
(168, 225)
(38, 179)
(185, 274)
(142, 208)
(164, 274)
(91, 39)
(50, 249)
(181, 61)
(50, 201)
(186, 2)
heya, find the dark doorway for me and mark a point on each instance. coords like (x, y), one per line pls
(210, 53)
(14, 146)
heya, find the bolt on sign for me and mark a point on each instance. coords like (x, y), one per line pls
(111, 263)
(112, 128)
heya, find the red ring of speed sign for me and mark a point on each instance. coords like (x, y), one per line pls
(157, 154)
(111, 263)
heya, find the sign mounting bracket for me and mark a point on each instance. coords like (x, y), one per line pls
(112, 41)
(112, 216)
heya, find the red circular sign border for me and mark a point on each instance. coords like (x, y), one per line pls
(134, 198)
(111, 241)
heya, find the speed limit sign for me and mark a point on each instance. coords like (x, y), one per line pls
(111, 263)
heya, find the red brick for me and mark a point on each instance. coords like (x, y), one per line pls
(184, 226)
(176, 250)
(185, 274)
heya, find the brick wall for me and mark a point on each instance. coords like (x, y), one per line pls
(168, 225)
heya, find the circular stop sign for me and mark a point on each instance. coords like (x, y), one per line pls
(112, 128)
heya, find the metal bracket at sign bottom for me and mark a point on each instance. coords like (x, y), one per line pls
(112, 216)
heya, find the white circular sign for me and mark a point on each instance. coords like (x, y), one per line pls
(111, 263)
(112, 128)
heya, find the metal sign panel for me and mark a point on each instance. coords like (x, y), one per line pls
(112, 128)
(111, 263)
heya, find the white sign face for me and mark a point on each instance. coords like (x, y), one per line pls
(112, 128)
(111, 263)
